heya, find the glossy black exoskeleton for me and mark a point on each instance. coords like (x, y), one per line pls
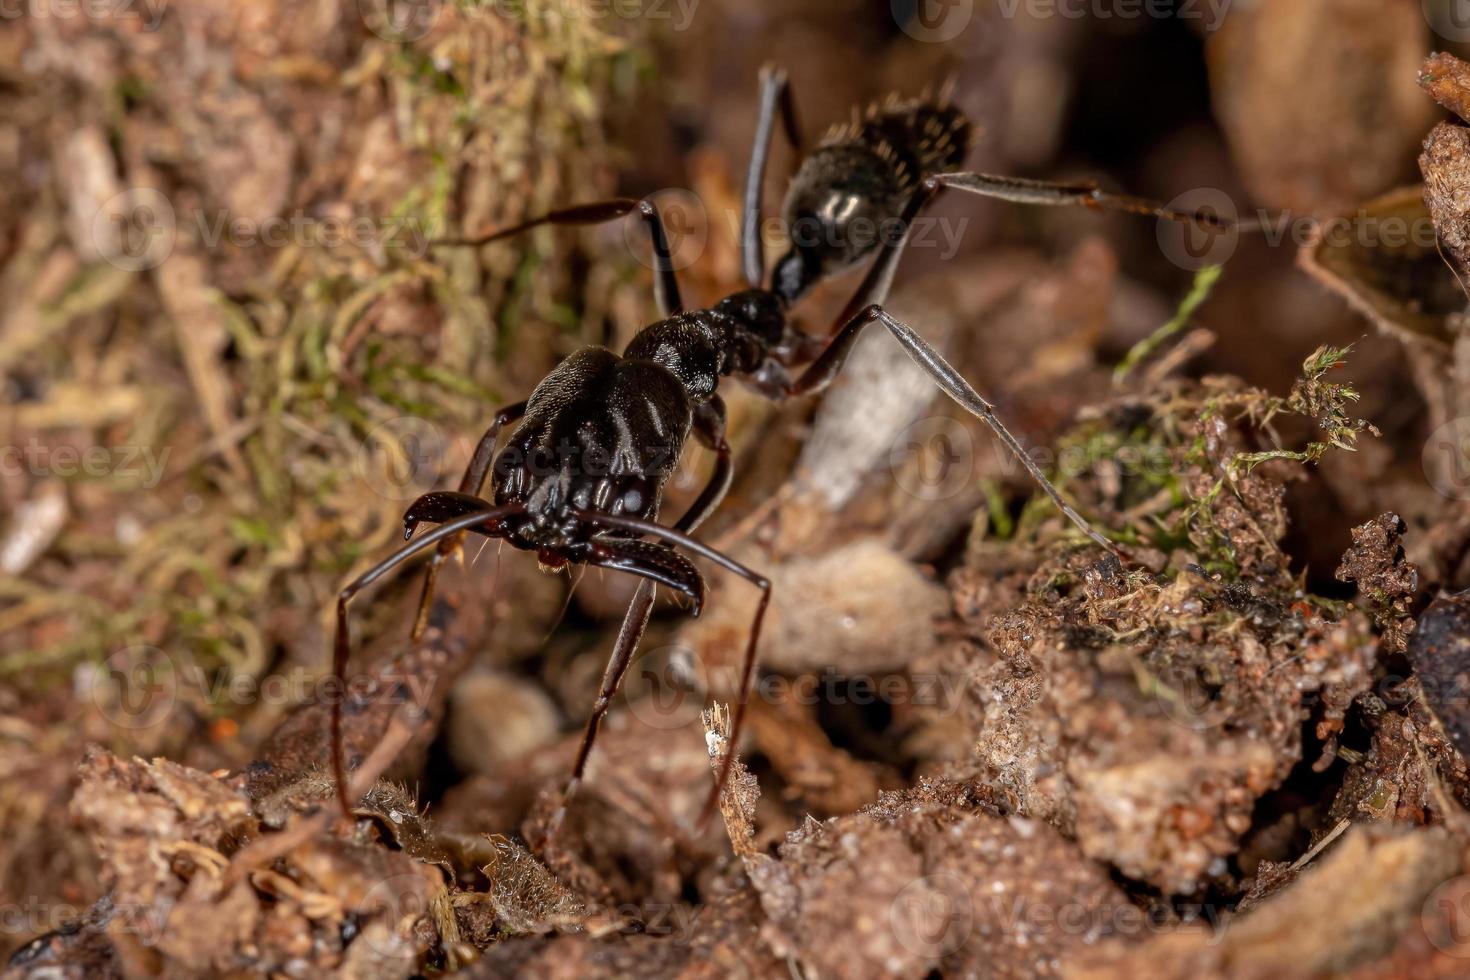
(581, 478)
(852, 189)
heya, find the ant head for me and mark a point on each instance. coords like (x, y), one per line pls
(760, 311)
(557, 497)
(601, 434)
(553, 482)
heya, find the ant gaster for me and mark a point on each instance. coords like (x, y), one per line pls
(581, 478)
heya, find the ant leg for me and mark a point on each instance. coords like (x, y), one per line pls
(474, 474)
(865, 305)
(485, 520)
(709, 422)
(709, 428)
(1085, 194)
(665, 283)
(655, 564)
(747, 670)
(875, 285)
(471, 483)
(775, 96)
(635, 621)
(826, 367)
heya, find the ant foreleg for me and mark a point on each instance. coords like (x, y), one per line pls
(484, 520)
(826, 367)
(655, 564)
(709, 428)
(747, 670)
(635, 621)
(471, 483)
(775, 97)
(441, 507)
(665, 282)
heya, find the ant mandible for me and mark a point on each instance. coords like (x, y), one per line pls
(580, 479)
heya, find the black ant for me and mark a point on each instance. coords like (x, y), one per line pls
(580, 479)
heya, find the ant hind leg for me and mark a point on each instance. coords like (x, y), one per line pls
(826, 367)
(1083, 194)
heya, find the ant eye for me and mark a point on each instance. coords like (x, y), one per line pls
(632, 500)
